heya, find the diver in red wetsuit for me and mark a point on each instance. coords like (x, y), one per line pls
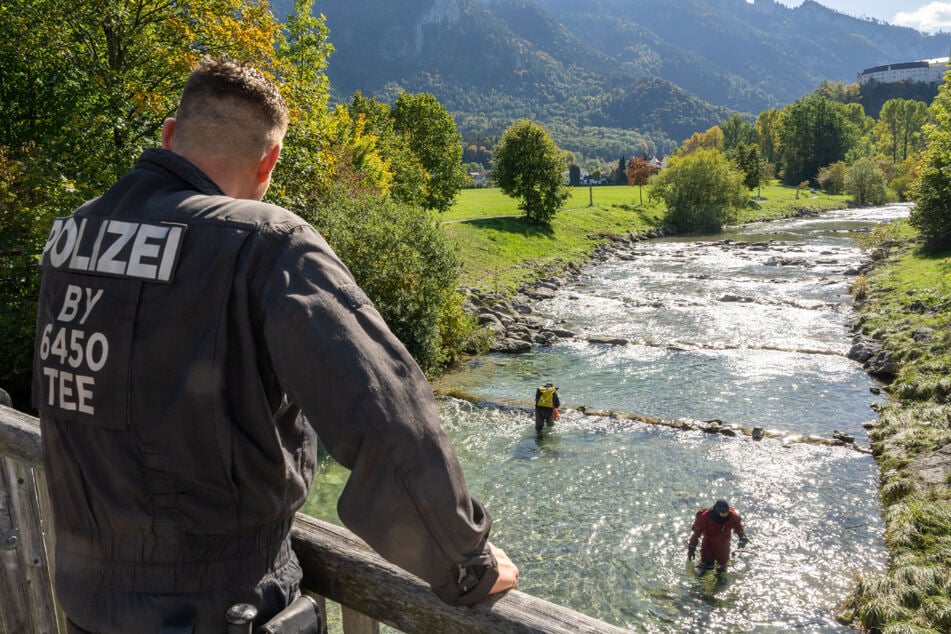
(715, 526)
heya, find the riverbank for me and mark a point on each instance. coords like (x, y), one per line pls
(509, 264)
(903, 303)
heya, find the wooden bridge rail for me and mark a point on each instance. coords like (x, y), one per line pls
(337, 566)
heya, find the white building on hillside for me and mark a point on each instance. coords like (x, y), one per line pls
(927, 71)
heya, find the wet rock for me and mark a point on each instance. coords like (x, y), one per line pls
(758, 433)
(882, 365)
(612, 341)
(512, 345)
(546, 338)
(736, 298)
(843, 437)
(875, 390)
(563, 333)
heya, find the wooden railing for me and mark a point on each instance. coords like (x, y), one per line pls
(337, 566)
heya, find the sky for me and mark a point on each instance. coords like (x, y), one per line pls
(924, 15)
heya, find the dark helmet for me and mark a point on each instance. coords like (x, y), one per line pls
(721, 506)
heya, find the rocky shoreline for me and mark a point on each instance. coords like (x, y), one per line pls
(512, 320)
(515, 327)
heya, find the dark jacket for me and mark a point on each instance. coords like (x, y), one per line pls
(716, 533)
(181, 333)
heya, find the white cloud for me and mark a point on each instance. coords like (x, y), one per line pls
(930, 18)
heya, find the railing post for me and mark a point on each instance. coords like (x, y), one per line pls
(25, 582)
(356, 623)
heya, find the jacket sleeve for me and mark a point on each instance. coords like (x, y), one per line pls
(696, 529)
(374, 411)
(556, 402)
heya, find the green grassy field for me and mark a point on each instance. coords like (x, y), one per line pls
(500, 251)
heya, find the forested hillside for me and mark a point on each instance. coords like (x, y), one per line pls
(603, 75)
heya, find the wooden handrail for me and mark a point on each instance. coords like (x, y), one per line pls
(339, 566)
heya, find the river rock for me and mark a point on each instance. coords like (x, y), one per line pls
(882, 365)
(612, 341)
(511, 345)
(864, 349)
(923, 335)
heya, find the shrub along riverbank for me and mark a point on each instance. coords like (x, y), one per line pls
(904, 302)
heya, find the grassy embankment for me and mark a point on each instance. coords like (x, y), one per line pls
(500, 251)
(905, 302)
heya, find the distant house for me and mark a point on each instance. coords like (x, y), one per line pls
(929, 71)
(479, 178)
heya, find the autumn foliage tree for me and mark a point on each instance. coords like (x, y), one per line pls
(639, 170)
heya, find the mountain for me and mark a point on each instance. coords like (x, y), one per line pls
(607, 77)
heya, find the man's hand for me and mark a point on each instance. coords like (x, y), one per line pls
(743, 540)
(508, 572)
(691, 551)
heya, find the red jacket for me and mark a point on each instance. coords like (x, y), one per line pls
(716, 535)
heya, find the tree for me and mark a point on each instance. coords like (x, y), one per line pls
(748, 161)
(737, 130)
(401, 258)
(574, 175)
(83, 92)
(639, 172)
(831, 178)
(813, 132)
(865, 182)
(900, 127)
(528, 165)
(931, 214)
(431, 134)
(767, 133)
(712, 139)
(620, 175)
(701, 190)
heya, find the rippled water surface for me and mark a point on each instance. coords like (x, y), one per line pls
(750, 328)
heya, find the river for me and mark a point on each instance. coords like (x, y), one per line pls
(750, 327)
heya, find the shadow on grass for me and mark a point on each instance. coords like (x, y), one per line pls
(515, 225)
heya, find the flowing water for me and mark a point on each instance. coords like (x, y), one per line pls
(749, 327)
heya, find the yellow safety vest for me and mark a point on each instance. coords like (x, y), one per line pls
(547, 398)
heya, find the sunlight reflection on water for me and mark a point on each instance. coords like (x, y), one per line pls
(597, 512)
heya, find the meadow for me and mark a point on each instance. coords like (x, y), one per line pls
(500, 251)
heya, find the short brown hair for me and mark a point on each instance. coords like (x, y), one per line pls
(229, 107)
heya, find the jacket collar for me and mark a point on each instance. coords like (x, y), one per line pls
(179, 166)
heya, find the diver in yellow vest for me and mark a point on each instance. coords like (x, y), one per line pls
(546, 406)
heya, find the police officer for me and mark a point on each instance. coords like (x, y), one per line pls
(184, 328)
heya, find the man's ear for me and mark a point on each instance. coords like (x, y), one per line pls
(168, 131)
(268, 162)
